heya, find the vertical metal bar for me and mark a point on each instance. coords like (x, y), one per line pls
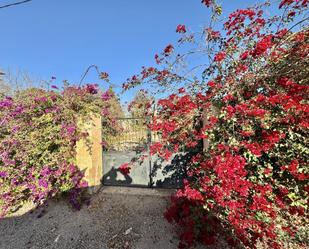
(149, 154)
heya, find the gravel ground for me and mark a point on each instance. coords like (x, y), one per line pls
(117, 218)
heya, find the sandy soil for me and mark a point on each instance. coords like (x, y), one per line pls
(117, 218)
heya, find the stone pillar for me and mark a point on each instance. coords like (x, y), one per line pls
(89, 158)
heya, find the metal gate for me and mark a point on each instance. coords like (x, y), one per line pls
(132, 143)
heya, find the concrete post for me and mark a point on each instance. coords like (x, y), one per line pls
(89, 158)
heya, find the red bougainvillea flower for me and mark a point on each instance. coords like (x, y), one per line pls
(125, 86)
(219, 56)
(157, 58)
(207, 2)
(262, 46)
(251, 105)
(211, 84)
(298, 3)
(168, 50)
(285, 2)
(212, 35)
(291, 14)
(181, 28)
(155, 148)
(104, 75)
(181, 90)
(125, 168)
(190, 193)
(244, 55)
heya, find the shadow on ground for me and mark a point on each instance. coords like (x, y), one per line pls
(116, 218)
(121, 218)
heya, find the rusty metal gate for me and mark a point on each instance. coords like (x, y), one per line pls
(132, 143)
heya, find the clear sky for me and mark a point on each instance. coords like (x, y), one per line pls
(63, 37)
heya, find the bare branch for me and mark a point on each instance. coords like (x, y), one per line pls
(13, 4)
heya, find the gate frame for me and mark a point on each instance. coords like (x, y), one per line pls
(149, 141)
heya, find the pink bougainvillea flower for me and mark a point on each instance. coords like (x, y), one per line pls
(105, 111)
(45, 172)
(6, 102)
(83, 184)
(107, 95)
(43, 183)
(3, 174)
(92, 88)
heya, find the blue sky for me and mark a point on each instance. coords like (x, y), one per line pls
(62, 38)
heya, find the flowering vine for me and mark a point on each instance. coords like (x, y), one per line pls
(38, 134)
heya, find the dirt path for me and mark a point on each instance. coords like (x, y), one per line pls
(116, 219)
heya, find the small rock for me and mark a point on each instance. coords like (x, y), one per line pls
(128, 231)
(56, 240)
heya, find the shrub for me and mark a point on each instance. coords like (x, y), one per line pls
(38, 134)
(250, 184)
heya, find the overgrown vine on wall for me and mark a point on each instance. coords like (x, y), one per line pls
(38, 134)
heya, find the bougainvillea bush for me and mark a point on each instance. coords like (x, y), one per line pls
(38, 133)
(248, 99)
